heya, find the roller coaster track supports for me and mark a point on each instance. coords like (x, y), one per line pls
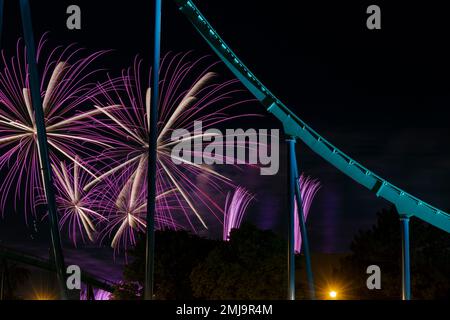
(294, 194)
(295, 127)
(304, 232)
(42, 146)
(406, 275)
(291, 225)
(151, 189)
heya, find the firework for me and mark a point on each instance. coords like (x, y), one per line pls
(235, 208)
(99, 294)
(308, 190)
(79, 210)
(125, 205)
(106, 127)
(65, 90)
(188, 93)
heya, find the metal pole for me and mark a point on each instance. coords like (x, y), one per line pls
(406, 276)
(150, 241)
(304, 233)
(291, 224)
(42, 146)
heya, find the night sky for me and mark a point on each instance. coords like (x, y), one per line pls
(381, 96)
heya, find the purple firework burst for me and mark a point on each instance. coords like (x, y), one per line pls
(79, 210)
(124, 201)
(308, 190)
(235, 208)
(66, 88)
(99, 294)
(188, 93)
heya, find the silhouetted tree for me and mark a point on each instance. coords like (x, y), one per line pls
(13, 275)
(177, 253)
(381, 245)
(251, 265)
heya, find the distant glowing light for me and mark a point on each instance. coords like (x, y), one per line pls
(333, 294)
(44, 296)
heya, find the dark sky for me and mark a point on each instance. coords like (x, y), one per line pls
(382, 96)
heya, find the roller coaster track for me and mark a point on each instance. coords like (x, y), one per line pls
(406, 204)
(18, 256)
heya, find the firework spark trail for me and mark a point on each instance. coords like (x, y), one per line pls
(235, 208)
(79, 211)
(308, 190)
(182, 101)
(124, 200)
(99, 294)
(73, 111)
(65, 87)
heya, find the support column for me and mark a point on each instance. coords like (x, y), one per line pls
(43, 147)
(304, 233)
(152, 158)
(291, 225)
(406, 276)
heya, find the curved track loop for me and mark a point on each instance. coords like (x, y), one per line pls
(406, 204)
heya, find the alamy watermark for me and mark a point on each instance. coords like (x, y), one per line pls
(73, 280)
(235, 146)
(374, 280)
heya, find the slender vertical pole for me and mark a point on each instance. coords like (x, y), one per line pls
(304, 233)
(291, 224)
(406, 276)
(150, 243)
(42, 146)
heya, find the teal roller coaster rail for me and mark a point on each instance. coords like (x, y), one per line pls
(406, 204)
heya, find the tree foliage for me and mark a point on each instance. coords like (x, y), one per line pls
(177, 252)
(249, 266)
(381, 245)
(13, 276)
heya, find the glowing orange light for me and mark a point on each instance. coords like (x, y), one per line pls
(333, 294)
